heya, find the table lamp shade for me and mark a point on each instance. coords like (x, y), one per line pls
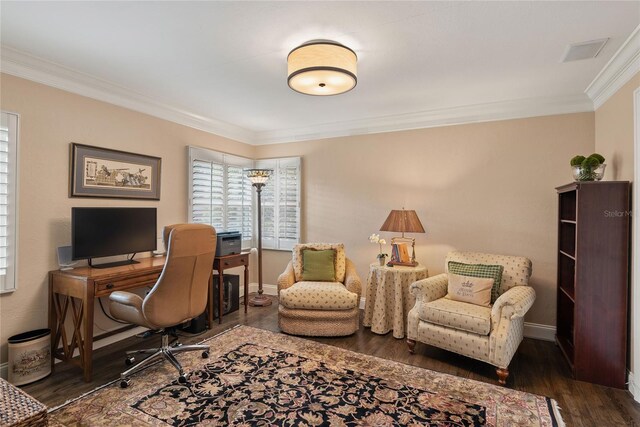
(403, 221)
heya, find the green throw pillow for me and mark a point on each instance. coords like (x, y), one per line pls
(480, 270)
(319, 265)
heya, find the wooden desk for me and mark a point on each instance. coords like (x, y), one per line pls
(223, 263)
(73, 292)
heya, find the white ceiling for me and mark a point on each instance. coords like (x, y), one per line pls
(225, 62)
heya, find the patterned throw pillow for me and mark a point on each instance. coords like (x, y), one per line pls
(318, 265)
(474, 290)
(480, 270)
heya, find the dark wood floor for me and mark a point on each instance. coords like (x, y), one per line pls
(538, 368)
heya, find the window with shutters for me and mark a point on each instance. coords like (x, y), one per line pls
(8, 205)
(220, 195)
(281, 203)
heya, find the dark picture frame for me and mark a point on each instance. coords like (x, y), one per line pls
(106, 173)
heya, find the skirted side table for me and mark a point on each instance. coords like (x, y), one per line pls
(388, 298)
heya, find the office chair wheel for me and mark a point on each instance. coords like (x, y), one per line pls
(125, 383)
(130, 360)
(182, 379)
(205, 354)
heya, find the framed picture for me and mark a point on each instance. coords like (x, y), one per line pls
(100, 172)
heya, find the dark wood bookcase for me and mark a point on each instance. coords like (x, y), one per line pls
(593, 279)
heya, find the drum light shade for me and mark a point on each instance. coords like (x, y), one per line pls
(322, 68)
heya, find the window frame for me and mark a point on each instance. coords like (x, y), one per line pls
(13, 191)
(204, 154)
(278, 244)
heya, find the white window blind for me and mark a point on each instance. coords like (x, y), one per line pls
(281, 203)
(8, 200)
(220, 194)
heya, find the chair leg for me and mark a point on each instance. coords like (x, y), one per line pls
(503, 373)
(167, 351)
(143, 364)
(146, 351)
(174, 361)
(194, 347)
(412, 345)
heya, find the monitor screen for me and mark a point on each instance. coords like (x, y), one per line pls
(101, 232)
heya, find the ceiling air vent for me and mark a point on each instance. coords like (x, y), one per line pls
(584, 50)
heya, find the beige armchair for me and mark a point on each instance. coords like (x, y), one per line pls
(319, 308)
(490, 334)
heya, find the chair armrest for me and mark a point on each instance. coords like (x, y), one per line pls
(126, 298)
(431, 288)
(513, 304)
(351, 279)
(287, 278)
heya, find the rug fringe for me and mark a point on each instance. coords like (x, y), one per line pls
(556, 412)
(118, 379)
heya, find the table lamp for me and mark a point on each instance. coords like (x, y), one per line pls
(403, 221)
(259, 178)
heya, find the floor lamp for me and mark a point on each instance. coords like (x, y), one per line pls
(259, 178)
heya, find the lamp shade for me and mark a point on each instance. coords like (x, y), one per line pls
(258, 176)
(403, 221)
(322, 67)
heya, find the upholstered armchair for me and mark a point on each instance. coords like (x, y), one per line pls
(490, 334)
(319, 308)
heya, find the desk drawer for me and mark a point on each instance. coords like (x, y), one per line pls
(105, 287)
(231, 262)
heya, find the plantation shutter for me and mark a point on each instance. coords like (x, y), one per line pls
(239, 203)
(8, 188)
(220, 194)
(288, 203)
(207, 191)
(281, 203)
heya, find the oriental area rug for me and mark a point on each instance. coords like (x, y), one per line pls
(260, 378)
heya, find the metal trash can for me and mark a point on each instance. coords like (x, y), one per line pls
(29, 356)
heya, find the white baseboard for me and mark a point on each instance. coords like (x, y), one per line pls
(634, 387)
(539, 332)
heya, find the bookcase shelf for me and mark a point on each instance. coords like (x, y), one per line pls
(593, 257)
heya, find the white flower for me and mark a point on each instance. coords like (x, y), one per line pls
(374, 238)
(382, 242)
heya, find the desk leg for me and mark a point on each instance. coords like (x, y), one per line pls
(86, 343)
(210, 301)
(220, 295)
(53, 323)
(246, 287)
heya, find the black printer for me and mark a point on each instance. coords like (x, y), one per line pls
(229, 243)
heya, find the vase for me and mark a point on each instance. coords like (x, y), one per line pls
(381, 260)
(595, 173)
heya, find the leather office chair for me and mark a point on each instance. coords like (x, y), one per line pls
(180, 294)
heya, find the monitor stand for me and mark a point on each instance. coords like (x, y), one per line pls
(113, 264)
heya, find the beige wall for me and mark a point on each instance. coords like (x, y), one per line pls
(614, 132)
(482, 187)
(49, 120)
(486, 187)
(615, 141)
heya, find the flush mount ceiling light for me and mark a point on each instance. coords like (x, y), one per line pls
(322, 67)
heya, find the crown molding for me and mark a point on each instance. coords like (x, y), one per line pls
(30, 67)
(494, 111)
(624, 64)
